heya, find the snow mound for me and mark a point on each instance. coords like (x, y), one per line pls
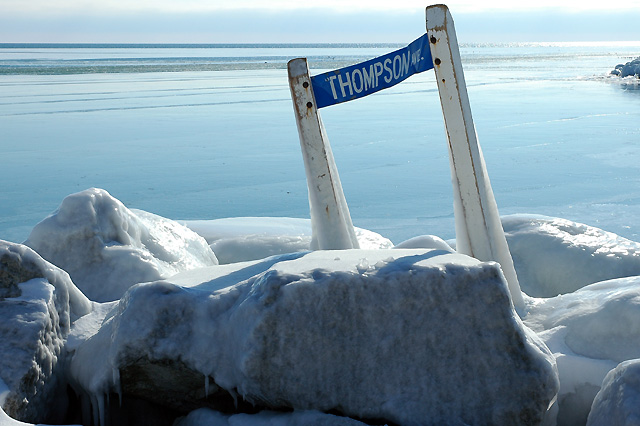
(589, 332)
(241, 239)
(253, 247)
(618, 402)
(401, 335)
(106, 248)
(555, 256)
(425, 241)
(38, 301)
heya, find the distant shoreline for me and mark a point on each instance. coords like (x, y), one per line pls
(190, 45)
(298, 45)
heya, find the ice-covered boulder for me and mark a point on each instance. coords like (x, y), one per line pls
(409, 336)
(38, 301)
(631, 68)
(618, 402)
(555, 256)
(239, 239)
(106, 248)
(589, 332)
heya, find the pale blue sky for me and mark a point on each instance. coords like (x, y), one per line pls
(252, 21)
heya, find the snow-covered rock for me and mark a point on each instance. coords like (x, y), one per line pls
(630, 69)
(38, 301)
(555, 256)
(618, 402)
(425, 241)
(106, 248)
(410, 336)
(589, 332)
(206, 417)
(240, 239)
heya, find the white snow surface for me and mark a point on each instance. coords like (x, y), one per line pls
(240, 239)
(85, 327)
(555, 256)
(336, 316)
(618, 402)
(425, 241)
(106, 248)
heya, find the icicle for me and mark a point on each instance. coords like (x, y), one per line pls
(115, 373)
(86, 408)
(101, 410)
(206, 385)
(94, 410)
(234, 395)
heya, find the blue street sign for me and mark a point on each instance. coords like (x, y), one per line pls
(357, 81)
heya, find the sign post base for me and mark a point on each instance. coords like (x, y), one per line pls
(331, 224)
(479, 231)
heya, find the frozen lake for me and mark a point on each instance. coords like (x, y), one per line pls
(214, 135)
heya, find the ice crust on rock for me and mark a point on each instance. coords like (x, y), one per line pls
(556, 256)
(106, 248)
(404, 335)
(630, 69)
(240, 239)
(206, 417)
(32, 337)
(19, 264)
(35, 318)
(5, 420)
(618, 401)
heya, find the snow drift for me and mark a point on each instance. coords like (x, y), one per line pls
(106, 248)
(239, 239)
(555, 256)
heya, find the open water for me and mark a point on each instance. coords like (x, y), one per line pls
(207, 131)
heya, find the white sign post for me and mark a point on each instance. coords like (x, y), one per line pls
(331, 224)
(479, 231)
(330, 219)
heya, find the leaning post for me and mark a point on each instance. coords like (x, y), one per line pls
(332, 228)
(479, 232)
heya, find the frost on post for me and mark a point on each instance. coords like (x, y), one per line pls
(331, 224)
(479, 232)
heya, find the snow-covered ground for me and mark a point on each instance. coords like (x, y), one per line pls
(379, 334)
